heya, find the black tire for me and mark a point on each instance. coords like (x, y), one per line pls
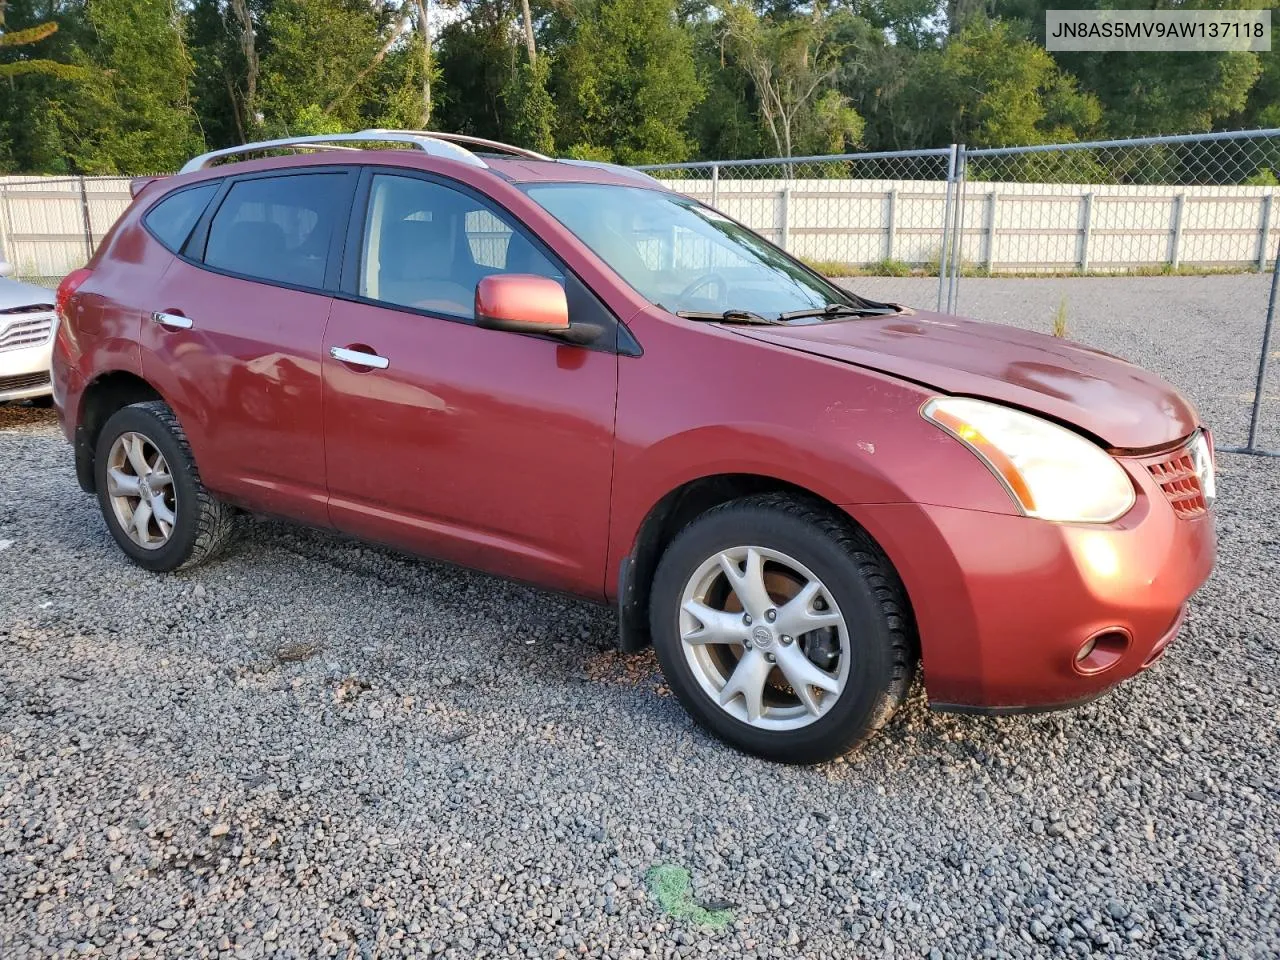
(203, 525)
(861, 581)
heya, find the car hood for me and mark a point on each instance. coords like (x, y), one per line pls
(14, 293)
(1121, 404)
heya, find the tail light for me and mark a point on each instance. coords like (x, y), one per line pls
(67, 289)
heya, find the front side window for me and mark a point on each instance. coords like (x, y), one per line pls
(172, 218)
(278, 228)
(683, 256)
(426, 246)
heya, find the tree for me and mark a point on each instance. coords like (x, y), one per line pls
(529, 106)
(627, 83)
(724, 123)
(477, 57)
(137, 117)
(39, 79)
(326, 64)
(991, 88)
(792, 63)
(1150, 93)
(17, 61)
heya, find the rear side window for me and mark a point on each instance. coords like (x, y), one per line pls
(171, 220)
(278, 228)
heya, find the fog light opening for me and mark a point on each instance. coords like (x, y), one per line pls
(1101, 652)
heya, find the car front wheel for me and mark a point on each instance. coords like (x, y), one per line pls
(782, 628)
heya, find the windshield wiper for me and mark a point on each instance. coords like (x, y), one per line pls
(728, 316)
(839, 310)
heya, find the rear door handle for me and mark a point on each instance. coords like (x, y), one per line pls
(171, 321)
(359, 358)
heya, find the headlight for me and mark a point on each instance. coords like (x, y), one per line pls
(1202, 457)
(1050, 472)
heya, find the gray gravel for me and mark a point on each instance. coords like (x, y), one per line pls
(315, 748)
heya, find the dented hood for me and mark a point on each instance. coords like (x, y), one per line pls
(1121, 404)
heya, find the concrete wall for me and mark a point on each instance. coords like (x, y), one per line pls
(1007, 226)
(49, 225)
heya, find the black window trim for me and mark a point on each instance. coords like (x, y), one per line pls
(185, 188)
(623, 341)
(193, 251)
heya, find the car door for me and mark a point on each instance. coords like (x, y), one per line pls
(486, 448)
(234, 338)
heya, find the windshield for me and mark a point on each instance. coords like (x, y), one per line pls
(683, 256)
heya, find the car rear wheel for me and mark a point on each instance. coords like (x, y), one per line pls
(782, 628)
(150, 492)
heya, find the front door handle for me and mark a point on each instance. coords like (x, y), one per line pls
(171, 321)
(358, 358)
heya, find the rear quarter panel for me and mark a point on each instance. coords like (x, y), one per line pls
(102, 331)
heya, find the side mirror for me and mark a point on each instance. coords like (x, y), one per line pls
(6, 268)
(523, 303)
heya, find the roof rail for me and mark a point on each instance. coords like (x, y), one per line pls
(494, 146)
(427, 142)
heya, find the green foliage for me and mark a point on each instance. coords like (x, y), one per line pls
(312, 78)
(477, 57)
(792, 62)
(18, 63)
(137, 116)
(628, 82)
(1001, 90)
(530, 108)
(1144, 93)
(22, 38)
(218, 82)
(585, 151)
(1060, 319)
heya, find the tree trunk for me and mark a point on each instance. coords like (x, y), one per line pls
(528, 31)
(249, 47)
(424, 28)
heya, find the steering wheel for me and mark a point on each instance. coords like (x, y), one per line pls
(705, 281)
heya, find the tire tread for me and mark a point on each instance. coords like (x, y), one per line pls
(215, 520)
(877, 573)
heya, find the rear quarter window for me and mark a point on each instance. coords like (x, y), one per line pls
(170, 221)
(278, 228)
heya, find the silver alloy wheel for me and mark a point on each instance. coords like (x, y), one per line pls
(764, 638)
(141, 489)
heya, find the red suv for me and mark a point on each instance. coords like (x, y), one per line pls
(564, 373)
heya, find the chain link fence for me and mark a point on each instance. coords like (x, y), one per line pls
(870, 212)
(49, 226)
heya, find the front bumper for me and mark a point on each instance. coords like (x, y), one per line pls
(24, 372)
(1003, 603)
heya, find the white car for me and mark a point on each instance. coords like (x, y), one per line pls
(26, 339)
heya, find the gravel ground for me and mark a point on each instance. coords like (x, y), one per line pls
(283, 754)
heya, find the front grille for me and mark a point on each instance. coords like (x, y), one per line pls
(24, 381)
(27, 332)
(28, 308)
(1176, 474)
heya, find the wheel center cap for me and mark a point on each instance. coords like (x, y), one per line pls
(144, 485)
(762, 636)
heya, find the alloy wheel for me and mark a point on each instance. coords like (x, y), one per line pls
(764, 638)
(141, 490)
